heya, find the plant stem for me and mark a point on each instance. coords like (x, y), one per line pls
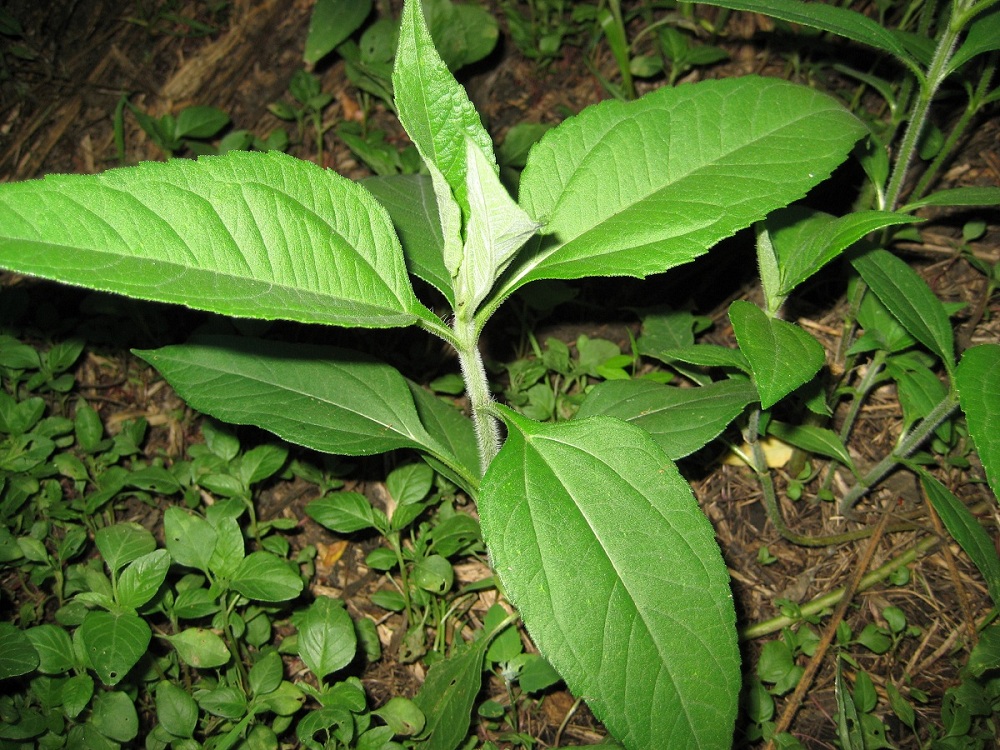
(907, 445)
(824, 602)
(477, 387)
(936, 74)
(971, 110)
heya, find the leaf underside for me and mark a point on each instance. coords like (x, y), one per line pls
(258, 235)
(615, 570)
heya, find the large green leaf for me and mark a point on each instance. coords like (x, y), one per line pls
(781, 355)
(266, 577)
(258, 235)
(600, 544)
(840, 21)
(910, 300)
(978, 381)
(681, 420)
(639, 187)
(325, 398)
(17, 655)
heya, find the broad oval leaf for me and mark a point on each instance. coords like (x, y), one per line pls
(600, 544)
(122, 543)
(781, 355)
(200, 648)
(17, 655)
(680, 420)
(257, 235)
(265, 577)
(325, 398)
(978, 381)
(639, 187)
(910, 300)
(113, 643)
(327, 640)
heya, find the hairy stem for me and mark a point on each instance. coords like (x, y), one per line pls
(936, 74)
(477, 388)
(907, 446)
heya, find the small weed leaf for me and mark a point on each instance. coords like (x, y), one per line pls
(113, 643)
(142, 578)
(17, 655)
(781, 355)
(327, 640)
(978, 383)
(200, 648)
(189, 539)
(53, 648)
(448, 694)
(332, 22)
(266, 578)
(600, 544)
(176, 710)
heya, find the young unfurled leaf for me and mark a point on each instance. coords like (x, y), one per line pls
(259, 235)
(600, 544)
(435, 110)
(497, 229)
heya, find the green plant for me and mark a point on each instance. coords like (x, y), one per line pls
(190, 129)
(592, 532)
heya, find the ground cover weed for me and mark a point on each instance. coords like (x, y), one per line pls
(634, 571)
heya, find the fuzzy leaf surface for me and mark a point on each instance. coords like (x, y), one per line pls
(781, 355)
(639, 187)
(680, 420)
(325, 398)
(257, 235)
(615, 570)
(978, 382)
(434, 109)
